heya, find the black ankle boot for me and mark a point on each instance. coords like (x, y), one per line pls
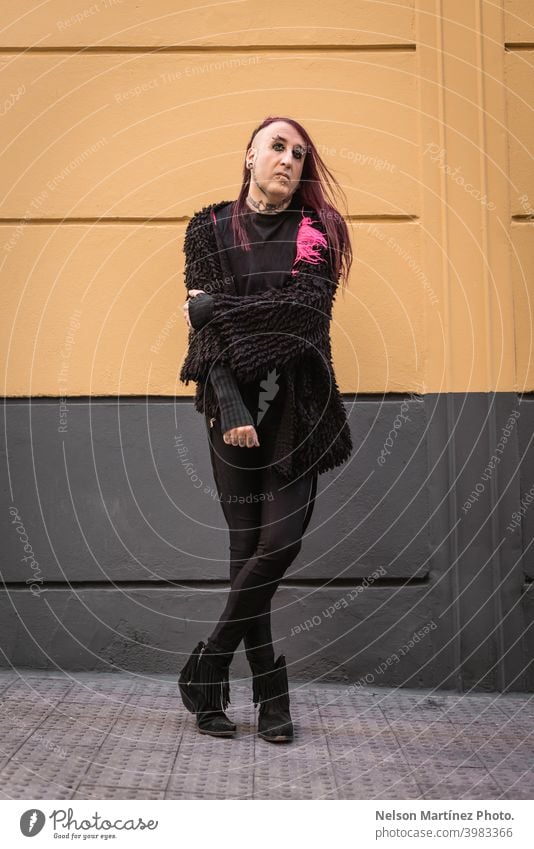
(205, 691)
(270, 690)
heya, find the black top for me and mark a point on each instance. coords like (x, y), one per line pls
(272, 238)
(267, 265)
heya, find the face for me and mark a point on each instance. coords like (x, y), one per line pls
(277, 150)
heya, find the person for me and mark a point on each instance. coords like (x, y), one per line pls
(261, 274)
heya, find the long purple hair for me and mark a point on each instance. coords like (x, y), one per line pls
(318, 188)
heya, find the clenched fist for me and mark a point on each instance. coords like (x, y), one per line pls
(244, 436)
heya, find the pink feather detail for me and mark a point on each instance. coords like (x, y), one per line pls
(307, 240)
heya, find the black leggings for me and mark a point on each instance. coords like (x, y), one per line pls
(266, 517)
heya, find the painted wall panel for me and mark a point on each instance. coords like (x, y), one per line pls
(520, 100)
(189, 24)
(97, 309)
(522, 253)
(124, 491)
(519, 21)
(155, 136)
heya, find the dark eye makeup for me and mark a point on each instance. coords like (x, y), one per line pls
(298, 152)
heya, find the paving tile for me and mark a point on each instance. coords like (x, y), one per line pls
(514, 783)
(438, 781)
(369, 780)
(510, 699)
(147, 727)
(441, 743)
(100, 701)
(159, 702)
(300, 770)
(295, 783)
(102, 692)
(72, 717)
(11, 743)
(507, 731)
(118, 736)
(156, 687)
(49, 673)
(441, 731)
(206, 785)
(92, 791)
(118, 766)
(5, 683)
(350, 731)
(65, 736)
(347, 705)
(6, 796)
(491, 729)
(502, 754)
(519, 709)
(414, 707)
(411, 726)
(465, 709)
(211, 767)
(37, 691)
(38, 773)
(55, 734)
(17, 725)
(39, 789)
(194, 790)
(360, 748)
(17, 712)
(361, 760)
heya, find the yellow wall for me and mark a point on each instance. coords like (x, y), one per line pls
(109, 147)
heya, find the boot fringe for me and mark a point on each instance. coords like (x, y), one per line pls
(213, 684)
(225, 692)
(188, 671)
(256, 690)
(271, 686)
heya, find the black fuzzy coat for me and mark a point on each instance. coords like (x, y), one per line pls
(286, 329)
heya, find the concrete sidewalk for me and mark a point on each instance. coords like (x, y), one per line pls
(121, 736)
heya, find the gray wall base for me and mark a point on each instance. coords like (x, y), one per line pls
(114, 507)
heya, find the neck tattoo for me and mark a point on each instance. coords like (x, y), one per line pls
(267, 207)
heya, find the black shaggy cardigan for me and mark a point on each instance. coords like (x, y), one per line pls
(285, 329)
